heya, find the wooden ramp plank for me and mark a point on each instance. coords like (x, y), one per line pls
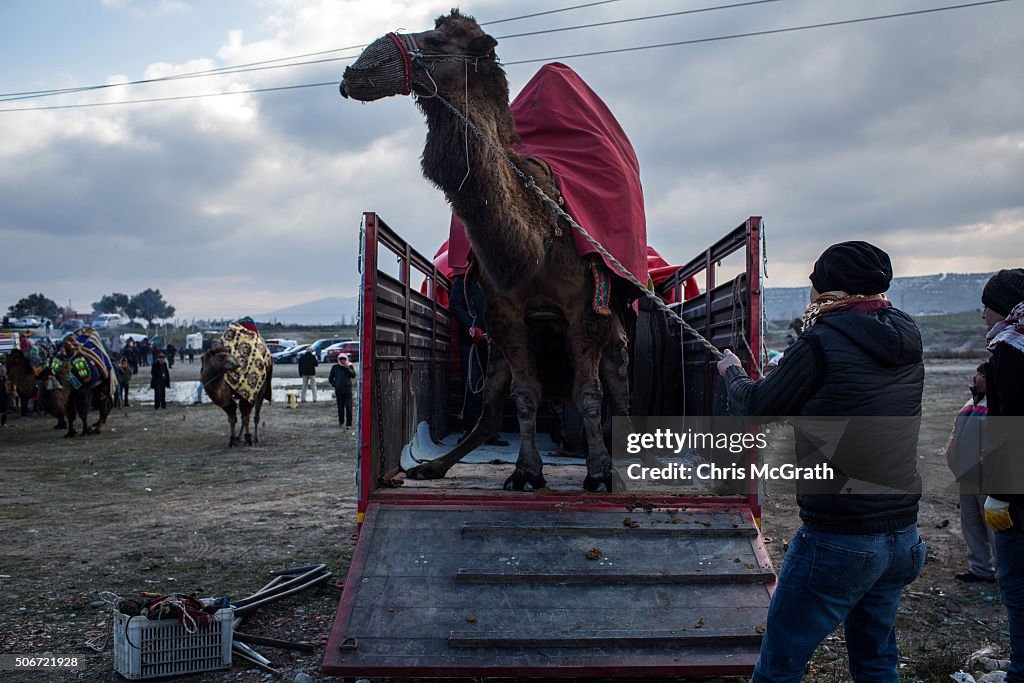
(612, 577)
(625, 529)
(609, 638)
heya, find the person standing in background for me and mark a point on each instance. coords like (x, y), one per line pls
(160, 382)
(170, 350)
(307, 371)
(963, 454)
(341, 378)
(124, 378)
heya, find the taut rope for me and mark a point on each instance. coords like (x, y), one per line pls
(529, 182)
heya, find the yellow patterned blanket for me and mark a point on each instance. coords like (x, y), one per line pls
(253, 358)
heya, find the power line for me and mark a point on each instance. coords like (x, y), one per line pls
(30, 94)
(260, 66)
(695, 41)
(751, 34)
(172, 97)
(644, 18)
(550, 11)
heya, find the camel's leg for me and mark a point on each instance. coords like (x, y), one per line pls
(256, 413)
(586, 342)
(105, 405)
(246, 411)
(69, 416)
(232, 410)
(527, 393)
(495, 390)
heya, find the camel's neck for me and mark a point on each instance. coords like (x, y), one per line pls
(484, 191)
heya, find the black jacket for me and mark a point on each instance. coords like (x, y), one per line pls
(341, 378)
(307, 364)
(866, 366)
(161, 375)
(1004, 382)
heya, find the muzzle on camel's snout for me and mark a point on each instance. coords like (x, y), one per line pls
(382, 70)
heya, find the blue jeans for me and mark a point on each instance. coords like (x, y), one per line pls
(828, 579)
(1010, 572)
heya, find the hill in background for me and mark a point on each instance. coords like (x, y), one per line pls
(332, 310)
(922, 295)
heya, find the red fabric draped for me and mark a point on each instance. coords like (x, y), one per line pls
(562, 121)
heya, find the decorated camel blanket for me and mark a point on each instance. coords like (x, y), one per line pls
(89, 362)
(562, 121)
(245, 344)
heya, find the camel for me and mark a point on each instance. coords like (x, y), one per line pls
(79, 394)
(538, 289)
(22, 379)
(217, 362)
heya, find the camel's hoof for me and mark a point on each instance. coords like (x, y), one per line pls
(248, 440)
(524, 481)
(68, 435)
(60, 426)
(425, 471)
(598, 484)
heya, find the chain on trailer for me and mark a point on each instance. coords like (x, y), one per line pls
(529, 182)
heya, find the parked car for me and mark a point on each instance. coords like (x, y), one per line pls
(27, 321)
(349, 348)
(282, 343)
(289, 355)
(108, 321)
(71, 324)
(320, 345)
(333, 348)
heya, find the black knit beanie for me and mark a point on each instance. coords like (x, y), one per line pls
(1004, 290)
(852, 267)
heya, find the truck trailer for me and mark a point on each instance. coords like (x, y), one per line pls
(457, 578)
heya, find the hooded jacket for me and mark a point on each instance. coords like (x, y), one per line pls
(866, 370)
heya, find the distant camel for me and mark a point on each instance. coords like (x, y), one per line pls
(22, 379)
(217, 362)
(80, 388)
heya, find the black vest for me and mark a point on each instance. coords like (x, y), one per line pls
(872, 372)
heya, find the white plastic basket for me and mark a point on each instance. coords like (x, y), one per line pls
(147, 649)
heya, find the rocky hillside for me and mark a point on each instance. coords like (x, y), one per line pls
(923, 295)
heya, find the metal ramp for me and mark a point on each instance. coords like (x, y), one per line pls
(501, 590)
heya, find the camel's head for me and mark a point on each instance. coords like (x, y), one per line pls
(426, 63)
(219, 359)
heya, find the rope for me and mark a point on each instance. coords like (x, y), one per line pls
(529, 182)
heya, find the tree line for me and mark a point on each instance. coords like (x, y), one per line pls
(149, 305)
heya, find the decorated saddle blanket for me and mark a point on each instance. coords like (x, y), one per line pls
(87, 358)
(244, 343)
(563, 122)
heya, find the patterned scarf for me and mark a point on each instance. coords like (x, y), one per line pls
(1009, 331)
(834, 301)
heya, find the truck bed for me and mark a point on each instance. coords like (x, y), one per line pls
(438, 590)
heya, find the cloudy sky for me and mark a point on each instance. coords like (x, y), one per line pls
(908, 132)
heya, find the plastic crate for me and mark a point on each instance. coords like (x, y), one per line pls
(147, 649)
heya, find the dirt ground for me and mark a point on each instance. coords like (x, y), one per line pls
(158, 503)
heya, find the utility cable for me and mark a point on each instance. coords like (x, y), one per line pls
(262, 65)
(751, 34)
(695, 41)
